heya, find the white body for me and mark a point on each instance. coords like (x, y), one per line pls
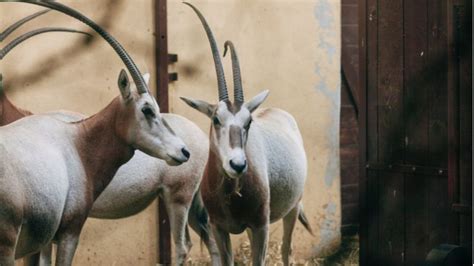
(34, 191)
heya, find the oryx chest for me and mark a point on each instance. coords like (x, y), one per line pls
(234, 212)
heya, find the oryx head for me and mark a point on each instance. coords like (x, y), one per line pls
(231, 121)
(139, 121)
(145, 127)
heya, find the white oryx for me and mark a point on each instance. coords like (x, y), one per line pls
(256, 168)
(137, 183)
(52, 171)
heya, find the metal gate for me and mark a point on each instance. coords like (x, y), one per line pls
(415, 128)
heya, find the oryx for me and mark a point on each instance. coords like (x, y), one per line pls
(257, 165)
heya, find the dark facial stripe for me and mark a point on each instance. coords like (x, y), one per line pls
(168, 127)
(235, 137)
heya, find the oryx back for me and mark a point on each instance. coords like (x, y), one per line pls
(281, 152)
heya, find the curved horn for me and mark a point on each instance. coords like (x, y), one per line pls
(127, 60)
(221, 84)
(238, 90)
(22, 21)
(26, 36)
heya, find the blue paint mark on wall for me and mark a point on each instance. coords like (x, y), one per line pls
(327, 230)
(323, 13)
(325, 20)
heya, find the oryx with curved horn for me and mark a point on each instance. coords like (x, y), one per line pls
(137, 183)
(256, 168)
(52, 171)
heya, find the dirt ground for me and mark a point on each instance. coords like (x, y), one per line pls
(346, 255)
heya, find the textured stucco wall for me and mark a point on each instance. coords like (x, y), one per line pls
(289, 47)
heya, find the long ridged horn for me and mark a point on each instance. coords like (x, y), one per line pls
(18, 24)
(221, 84)
(24, 37)
(238, 90)
(127, 60)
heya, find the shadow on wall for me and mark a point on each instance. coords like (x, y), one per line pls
(52, 63)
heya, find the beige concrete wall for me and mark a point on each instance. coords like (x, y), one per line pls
(289, 47)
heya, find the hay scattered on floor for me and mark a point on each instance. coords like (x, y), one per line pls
(346, 255)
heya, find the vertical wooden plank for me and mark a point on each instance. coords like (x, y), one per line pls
(390, 82)
(465, 109)
(416, 75)
(390, 130)
(372, 77)
(438, 205)
(391, 219)
(373, 209)
(437, 63)
(453, 122)
(363, 178)
(416, 108)
(417, 223)
(439, 212)
(161, 54)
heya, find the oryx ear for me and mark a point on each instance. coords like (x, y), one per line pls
(256, 101)
(124, 85)
(146, 78)
(201, 106)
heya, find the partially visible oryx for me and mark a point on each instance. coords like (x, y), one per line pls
(256, 168)
(52, 171)
(138, 182)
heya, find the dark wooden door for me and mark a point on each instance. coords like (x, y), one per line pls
(415, 119)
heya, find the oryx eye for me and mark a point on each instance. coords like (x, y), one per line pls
(216, 121)
(148, 112)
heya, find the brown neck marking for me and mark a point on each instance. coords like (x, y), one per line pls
(9, 113)
(101, 145)
(250, 206)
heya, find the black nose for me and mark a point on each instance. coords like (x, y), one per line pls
(238, 167)
(185, 153)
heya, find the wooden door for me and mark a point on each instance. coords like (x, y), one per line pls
(415, 116)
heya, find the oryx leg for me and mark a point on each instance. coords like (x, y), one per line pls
(177, 205)
(189, 243)
(46, 255)
(208, 239)
(224, 245)
(10, 226)
(42, 258)
(8, 239)
(198, 219)
(67, 244)
(259, 245)
(289, 222)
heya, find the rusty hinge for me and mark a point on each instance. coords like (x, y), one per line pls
(172, 58)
